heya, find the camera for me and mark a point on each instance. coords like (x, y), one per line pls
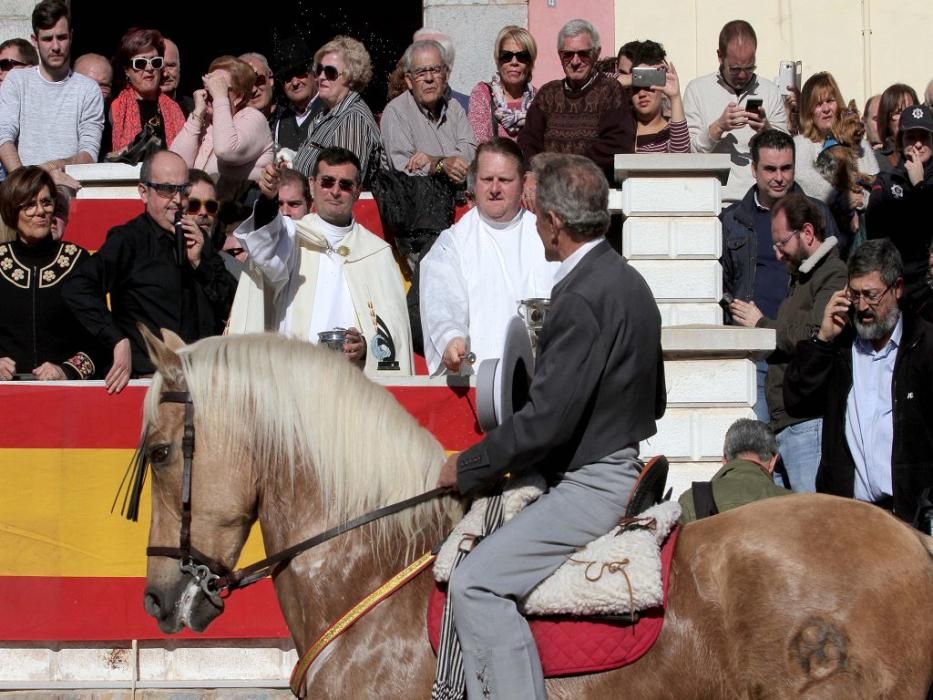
(646, 77)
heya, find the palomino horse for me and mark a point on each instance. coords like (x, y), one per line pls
(804, 596)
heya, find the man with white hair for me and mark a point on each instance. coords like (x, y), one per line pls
(171, 77)
(445, 41)
(586, 113)
(423, 131)
(261, 97)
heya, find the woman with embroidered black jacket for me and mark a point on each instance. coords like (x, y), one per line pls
(901, 207)
(39, 336)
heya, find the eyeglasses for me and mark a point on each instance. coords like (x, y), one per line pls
(261, 80)
(328, 181)
(169, 190)
(147, 62)
(872, 297)
(736, 70)
(582, 54)
(779, 246)
(330, 72)
(195, 204)
(521, 56)
(423, 72)
(8, 64)
(32, 208)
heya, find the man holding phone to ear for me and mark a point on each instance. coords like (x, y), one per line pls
(868, 370)
(725, 109)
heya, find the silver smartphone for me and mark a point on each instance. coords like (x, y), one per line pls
(646, 77)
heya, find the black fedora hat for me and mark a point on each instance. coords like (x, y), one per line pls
(291, 56)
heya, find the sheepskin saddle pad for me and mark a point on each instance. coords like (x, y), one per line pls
(603, 608)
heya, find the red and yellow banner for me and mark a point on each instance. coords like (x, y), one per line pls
(72, 570)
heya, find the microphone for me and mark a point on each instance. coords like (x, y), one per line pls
(181, 244)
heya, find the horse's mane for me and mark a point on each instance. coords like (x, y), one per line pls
(285, 405)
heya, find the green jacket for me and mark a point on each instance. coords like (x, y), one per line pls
(737, 483)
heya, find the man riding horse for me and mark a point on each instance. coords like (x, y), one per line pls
(598, 367)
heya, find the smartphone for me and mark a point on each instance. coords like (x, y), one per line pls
(753, 104)
(788, 76)
(726, 301)
(646, 77)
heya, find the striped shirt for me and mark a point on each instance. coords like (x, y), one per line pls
(350, 124)
(673, 138)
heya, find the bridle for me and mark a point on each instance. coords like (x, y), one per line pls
(213, 577)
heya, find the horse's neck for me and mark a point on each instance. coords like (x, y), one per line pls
(319, 586)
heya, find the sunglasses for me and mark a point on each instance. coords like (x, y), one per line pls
(261, 80)
(168, 190)
(328, 181)
(146, 62)
(195, 204)
(582, 54)
(330, 72)
(233, 252)
(522, 56)
(8, 64)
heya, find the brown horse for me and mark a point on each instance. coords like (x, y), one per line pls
(805, 596)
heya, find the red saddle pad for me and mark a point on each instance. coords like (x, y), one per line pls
(570, 645)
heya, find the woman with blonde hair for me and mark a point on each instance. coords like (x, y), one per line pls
(343, 70)
(498, 108)
(223, 135)
(821, 108)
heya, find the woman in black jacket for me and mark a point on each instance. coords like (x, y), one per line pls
(39, 336)
(901, 206)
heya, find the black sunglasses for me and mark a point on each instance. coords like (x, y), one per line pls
(168, 189)
(194, 205)
(583, 54)
(330, 72)
(328, 181)
(8, 64)
(522, 56)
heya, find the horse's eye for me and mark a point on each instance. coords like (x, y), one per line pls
(159, 453)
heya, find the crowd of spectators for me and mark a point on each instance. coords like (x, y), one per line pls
(251, 180)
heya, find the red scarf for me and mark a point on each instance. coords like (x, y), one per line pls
(127, 123)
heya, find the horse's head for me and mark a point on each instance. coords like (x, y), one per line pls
(185, 556)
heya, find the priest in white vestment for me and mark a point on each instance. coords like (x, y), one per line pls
(325, 271)
(478, 271)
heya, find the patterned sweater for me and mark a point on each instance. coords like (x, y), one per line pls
(595, 121)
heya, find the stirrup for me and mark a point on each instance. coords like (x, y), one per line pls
(649, 489)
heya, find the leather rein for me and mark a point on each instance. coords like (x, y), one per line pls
(215, 579)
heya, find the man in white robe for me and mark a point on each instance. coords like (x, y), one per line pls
(478, 271)
(325, 271)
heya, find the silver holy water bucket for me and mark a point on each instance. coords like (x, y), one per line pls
(533, 312)
(333, 339)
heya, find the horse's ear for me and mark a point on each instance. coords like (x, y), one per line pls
(163, 354)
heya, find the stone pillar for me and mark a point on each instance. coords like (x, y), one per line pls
(673, 237)
(16, 19)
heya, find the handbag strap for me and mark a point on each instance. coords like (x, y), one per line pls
(703, 501)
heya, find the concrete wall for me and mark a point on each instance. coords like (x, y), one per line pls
(866, 44)
(825, 35)
(15, 19)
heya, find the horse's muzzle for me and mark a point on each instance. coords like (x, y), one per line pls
(185, 605)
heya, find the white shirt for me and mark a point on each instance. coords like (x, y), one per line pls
(575, 257)
(333, 307)
(870, 416)
(473, 278)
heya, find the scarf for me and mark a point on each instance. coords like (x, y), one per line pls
(127, 123)
(511, 119)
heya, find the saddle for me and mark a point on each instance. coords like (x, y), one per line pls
(619, 595)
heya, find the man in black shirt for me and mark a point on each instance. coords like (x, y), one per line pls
(149, 279)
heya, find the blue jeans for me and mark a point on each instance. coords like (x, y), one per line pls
(799, 446)
(761, 403)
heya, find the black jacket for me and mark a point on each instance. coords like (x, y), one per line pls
(598, 384)
(137, 267)
(817, 383)
(903, 213)
(35, 325)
